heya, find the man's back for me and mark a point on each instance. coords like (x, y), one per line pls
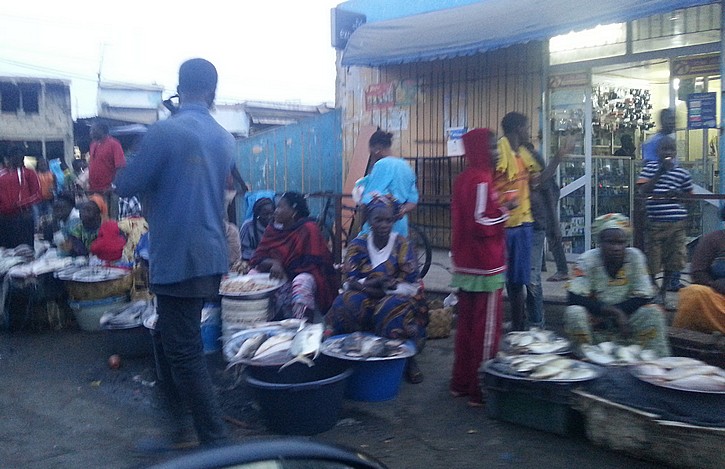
(180, 172)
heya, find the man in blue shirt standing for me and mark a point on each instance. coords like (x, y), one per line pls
(180, 174)
(667, 129)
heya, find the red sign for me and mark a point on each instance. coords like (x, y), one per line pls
(380, 96)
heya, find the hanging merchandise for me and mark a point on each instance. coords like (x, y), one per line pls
(616, 108)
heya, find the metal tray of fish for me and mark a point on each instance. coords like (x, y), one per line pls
(503, 370)
(249, 287)
(694, 376)
(393, 349)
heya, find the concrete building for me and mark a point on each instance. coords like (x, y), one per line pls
(36, 113)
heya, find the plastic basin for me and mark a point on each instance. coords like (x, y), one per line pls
(300, 400)
(375, 381)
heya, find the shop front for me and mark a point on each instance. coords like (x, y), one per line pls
(606, 88)
(425, 76)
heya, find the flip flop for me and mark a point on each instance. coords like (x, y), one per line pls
(558, 277)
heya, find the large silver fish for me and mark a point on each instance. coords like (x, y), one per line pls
(306, 342)
(275, 344)
(250, 346)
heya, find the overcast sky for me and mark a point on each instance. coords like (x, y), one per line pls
(269, 50)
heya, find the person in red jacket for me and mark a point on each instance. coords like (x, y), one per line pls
(19, 191)
(478, 249)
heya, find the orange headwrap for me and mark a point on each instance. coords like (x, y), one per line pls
(98, 200)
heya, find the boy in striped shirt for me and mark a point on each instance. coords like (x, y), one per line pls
(667, 226)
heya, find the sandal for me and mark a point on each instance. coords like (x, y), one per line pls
(413, 375)
(457, 393)
(558, 277)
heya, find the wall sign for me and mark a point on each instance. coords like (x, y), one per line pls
(701, 111)
(380, 96)
(569, 80)
(454, 143)
(344, 23)
(703, 65)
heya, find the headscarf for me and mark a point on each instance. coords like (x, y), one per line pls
(98, 200)
(379, 201)
(108, 246)
(611, 221)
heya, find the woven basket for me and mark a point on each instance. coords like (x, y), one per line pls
(439, 325)
(82, 291)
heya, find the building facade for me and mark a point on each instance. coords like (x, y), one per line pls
(36, 113)
(431, 74)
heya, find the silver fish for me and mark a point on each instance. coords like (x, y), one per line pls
(276, 343)
(306, 342)
(701, 383)
(686, 371)
(250, 346)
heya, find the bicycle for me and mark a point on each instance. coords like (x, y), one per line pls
(421, 244)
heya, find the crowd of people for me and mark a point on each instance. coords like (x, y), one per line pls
(503, 208)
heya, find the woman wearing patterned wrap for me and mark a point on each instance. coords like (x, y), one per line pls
(293, 248)
(383, 293)
(610, 294)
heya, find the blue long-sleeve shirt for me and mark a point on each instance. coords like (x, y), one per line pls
(180, 173)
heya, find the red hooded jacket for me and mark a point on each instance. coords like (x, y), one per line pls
(478, 243)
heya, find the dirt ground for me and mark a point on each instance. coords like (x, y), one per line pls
(62, 407)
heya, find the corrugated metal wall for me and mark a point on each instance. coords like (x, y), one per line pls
(304, 157)
(475, 91)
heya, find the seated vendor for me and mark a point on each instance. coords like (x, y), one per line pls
(611, 294)
(94, 225)
(702, 305)
(293, 248)
(252, 230)
(65, 216)
(383, 293)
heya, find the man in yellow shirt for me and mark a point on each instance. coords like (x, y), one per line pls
(513, 171)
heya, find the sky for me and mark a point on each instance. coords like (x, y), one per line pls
(264, 50)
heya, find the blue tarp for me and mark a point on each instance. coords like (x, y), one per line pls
(489, 25)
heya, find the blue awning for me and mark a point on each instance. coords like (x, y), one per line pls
(489, 25)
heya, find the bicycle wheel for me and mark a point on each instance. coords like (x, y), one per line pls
(423, 251)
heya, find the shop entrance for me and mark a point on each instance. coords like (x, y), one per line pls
(621, 104)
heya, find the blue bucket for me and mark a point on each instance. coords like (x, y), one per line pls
(375, 381)
(211, 332)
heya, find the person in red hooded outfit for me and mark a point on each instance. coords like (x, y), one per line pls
(478, 249)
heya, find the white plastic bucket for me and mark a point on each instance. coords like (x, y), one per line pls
(238, 314)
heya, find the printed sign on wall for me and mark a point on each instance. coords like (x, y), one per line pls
(380, 96)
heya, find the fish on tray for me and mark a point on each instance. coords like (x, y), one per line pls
(359, 345)
(610, 353)
(682, 373)
(547, 367)
(535, 340)
(306, 342)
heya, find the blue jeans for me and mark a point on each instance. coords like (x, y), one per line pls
(182, 366)
(534, 293)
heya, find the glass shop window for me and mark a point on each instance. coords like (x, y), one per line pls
(680, 28)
